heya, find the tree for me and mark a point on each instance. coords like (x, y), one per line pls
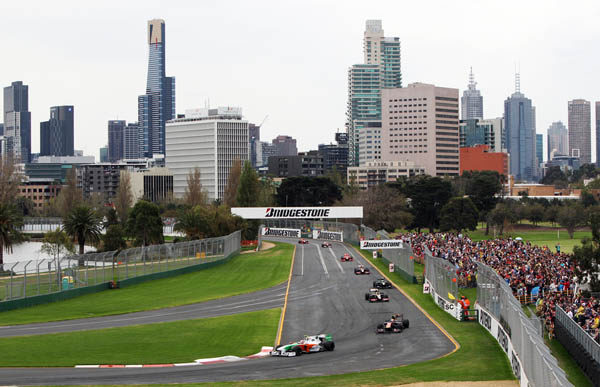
(551, 214)
(535, 213)
(83, 224)
(482, 187)
(233, 181)
(459, 214)
(57, 243)
(267, 192)
(428, 195)
(114, 238)
(10, 179)
(501, 216)
(111, 218)
(194, 194)
(594, 184)
(571, 217)
(194, 222)
(587, 198)
(25, 205)
(70, 195)
(144, 224)
(124, 197)
(11, 222)
(586, 171)
(249, 187)
(308, 191)
(587, 256)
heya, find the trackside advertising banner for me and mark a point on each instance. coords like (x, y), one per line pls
(497, 331)
(380, 244)
(280, 232)
(328, 235)
(451, 308)
(297, 212)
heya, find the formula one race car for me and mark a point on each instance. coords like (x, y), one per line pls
(375, 296)
(326, 244)
(346, 258)
(361, 270)
(316, 343)
(394, 325)
(302, 241)
(382, 283)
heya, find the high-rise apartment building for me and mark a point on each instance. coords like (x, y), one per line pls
(158, 104)
(471, 101)
(210, 139)
(482, 132)
(104, 154)
(335, 156)
(116, 130)
(420, 124)
(286, 146)
(255, 148)
(520, 135)
(381, 69)
(558, 140)
(598, 133)
(57, 135)
(267, 150)
(539, 148)
(131, 141)
(580, 130)
(17, 121)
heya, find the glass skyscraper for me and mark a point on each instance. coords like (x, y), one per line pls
(57, 134)
(580, 130)
(520, 135)
(17, 121)
(558, 140)
(471, 101)
(539, 148)
(116, 129)
(158, 104)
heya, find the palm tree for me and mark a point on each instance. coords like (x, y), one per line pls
(11, 222)
(82, 223)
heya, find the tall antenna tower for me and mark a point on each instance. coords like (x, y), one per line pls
(517, 82)
(472, 83)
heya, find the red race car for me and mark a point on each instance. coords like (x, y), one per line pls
(346, 258)
(326, 244)
(302, 241)
(360, 270)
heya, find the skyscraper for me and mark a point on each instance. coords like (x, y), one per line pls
(158, 104)
(558, 140)
(116, 129)
(471, 101)
(381, 69)
(580, 130)
(286, 146)
(520, 134)
(57, 134)
(598, 133)
(17, 121)
(254, 142)
(131, 143)
(539, 148)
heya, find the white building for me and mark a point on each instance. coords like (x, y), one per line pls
(155, 184)
(210, 139)
(380, 172)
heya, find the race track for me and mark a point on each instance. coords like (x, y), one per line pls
(325, 297)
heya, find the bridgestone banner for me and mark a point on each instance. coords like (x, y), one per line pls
(328, 235)
(280, 232)
(381, 244)
(297, 212)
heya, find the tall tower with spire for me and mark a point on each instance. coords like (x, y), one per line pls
(471, 101)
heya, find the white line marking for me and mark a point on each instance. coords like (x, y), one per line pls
(133, 366)
(322, 260)
(336, 259)
(302, 260)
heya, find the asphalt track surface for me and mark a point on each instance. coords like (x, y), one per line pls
(325, 297)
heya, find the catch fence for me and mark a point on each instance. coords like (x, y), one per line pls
(441, 276)
(403, 259)
(501, 313)
(45, 276)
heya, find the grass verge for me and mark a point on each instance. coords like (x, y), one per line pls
(540, 238)
(182, 341)
(242, 274)
(566, 362)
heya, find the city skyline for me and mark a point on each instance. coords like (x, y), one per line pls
(255, 75)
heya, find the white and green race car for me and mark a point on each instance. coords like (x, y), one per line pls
(316, 343)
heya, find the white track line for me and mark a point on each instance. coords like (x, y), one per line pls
(322, 260)
(336, 259)
(302, 273)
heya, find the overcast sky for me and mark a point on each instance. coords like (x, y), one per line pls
(289, 59)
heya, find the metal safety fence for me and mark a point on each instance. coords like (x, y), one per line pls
(538, 364)
(402, 259)
(44, 276)
(441, 276)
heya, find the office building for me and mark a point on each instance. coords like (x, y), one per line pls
(420, 124)
(483, 158)
(1, 129)
(209, 139)
(580, 131)
(154, 185)
(471, 101)
(384, 52)
(520, 135)
(104, 154)
(17, 121)
(57, 134)
(308, 164)
(380, 172)
(157, 105)
(131, 142)
(598, 133)
(285, 145)
(558, 140)
(40, 191)
(99, 179)
(255, 147)
(116, 131)
(335, 156)
(566, 163)
(267, 150)
(539, 148)
(482, 132)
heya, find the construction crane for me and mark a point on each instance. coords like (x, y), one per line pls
(263, 121)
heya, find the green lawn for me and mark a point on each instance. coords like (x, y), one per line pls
(540, 238)
(566, 362)
(174, 342)
(244, 273)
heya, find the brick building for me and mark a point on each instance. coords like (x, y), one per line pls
(479, 158)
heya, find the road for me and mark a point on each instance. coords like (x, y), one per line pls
(325, 297)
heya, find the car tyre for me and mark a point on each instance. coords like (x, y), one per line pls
(298, 351)
(405, 323)
(329, 346)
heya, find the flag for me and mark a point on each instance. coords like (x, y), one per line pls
(450, 296)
